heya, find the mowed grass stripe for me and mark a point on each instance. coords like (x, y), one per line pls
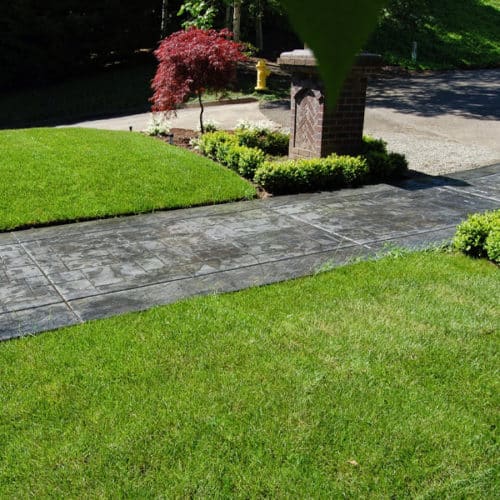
(378, 379)
(59, 175)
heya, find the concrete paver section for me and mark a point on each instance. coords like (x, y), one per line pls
(63, 275)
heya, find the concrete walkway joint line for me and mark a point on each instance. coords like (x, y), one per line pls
(63, 275)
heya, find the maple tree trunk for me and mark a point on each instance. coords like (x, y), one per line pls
(202, 130)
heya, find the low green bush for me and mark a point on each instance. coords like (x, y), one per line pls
(492, 245)
(211, 142)
(225, 149)
(273, 143)
(270, 142)
(479, 235)
(382, 164)
(294, 176)
(243, 160)
(398, 164)
(370, 144)
(244, 151)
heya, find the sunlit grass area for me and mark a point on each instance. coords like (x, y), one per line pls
(59, 175)
(379, 379)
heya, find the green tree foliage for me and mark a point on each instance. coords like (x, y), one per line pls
(449, 33)
(245, 18)
(406, 14)
(200, 13)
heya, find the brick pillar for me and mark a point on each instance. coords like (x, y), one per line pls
(316, 131)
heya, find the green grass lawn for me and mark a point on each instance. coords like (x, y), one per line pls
(379, 379)
(56, 175)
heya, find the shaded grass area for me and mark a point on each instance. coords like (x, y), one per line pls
(455, 34)
(377, 379)
(58, 175)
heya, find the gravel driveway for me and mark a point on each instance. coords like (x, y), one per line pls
(445, 122)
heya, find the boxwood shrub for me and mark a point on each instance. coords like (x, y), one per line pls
(225, 149)
(245, 150)
(273, 143)
(243, 160)
(479, 235)
(295, 176)
(492, 245)
(382, 164)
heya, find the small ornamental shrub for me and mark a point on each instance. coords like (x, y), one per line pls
(211, 142)
(273, 143)
(158, 125)
(370, 144)
(477, 236)
(382, 165)
(225, 149)
(355, 169)
(244, 152)
(492, 245)
(211, 126)
(244, 160)
(294, 176)
(398, 164)
(191, 62)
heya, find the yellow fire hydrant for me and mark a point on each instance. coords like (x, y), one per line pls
(262, 74)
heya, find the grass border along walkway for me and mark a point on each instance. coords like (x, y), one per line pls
(376, 379)
(61, 175)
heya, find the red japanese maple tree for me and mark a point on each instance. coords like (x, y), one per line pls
(190, 62)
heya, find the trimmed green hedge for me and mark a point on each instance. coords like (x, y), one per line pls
(246, 149)
(271, 142)
(479, 236)
(294, 176)
(382, 164)
(225, 149)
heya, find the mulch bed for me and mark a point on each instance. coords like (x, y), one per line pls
(182, 137)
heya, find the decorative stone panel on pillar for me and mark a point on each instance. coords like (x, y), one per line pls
(316, 131)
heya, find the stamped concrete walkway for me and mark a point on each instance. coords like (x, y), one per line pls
(63, 275)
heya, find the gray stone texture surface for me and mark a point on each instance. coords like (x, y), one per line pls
(64, 275)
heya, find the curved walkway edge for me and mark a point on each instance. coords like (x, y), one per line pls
(65, 275)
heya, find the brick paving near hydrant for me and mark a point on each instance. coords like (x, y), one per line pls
(63, 275)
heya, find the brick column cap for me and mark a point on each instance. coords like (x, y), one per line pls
(305, 58)
(298, 57)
